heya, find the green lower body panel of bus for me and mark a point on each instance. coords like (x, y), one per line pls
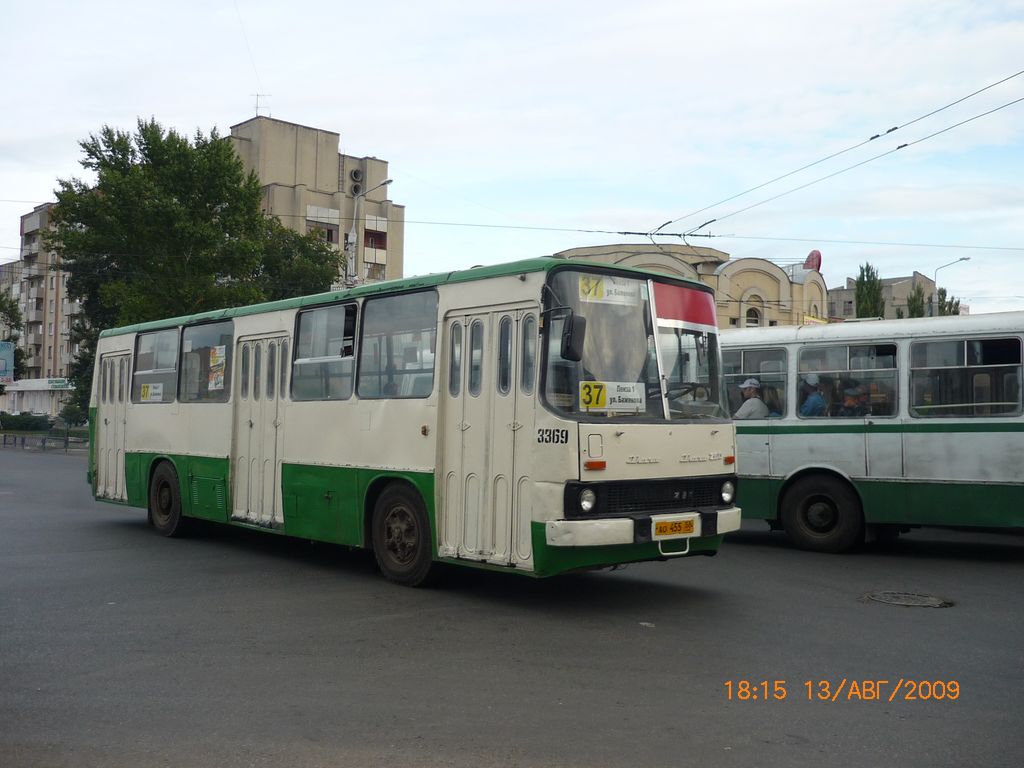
(318, 502)
(983, 505)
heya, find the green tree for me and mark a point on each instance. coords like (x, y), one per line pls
(950, 306)
(916, 301)
(868, 293)
(294, 264)
(171, 226)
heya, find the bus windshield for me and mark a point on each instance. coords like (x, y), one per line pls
(642, 359)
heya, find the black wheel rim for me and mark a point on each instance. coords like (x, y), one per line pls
(401, 535)
(163, 502)
(820, 515)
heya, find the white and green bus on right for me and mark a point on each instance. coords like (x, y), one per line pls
(871, 428)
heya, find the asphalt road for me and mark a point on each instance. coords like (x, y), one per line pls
(231, 648)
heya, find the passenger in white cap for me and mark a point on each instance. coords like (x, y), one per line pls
(753, 406)
(814, 403)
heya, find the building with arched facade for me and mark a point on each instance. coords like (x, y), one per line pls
(748, 292)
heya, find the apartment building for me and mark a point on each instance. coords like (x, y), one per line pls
(40, 289)
(309, 185)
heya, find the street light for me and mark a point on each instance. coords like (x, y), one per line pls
(935, 282)
(351, 248)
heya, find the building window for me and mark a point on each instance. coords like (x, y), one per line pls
(847, 308)
(753, 318)
(375, 272)
(324, 231)
(831, 309)
(374, 239)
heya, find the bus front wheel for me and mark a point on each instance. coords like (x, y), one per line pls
(401, 537)
(822, 514)
(165, 501)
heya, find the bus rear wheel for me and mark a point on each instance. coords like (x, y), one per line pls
(165, 501)
(401, 537)
(822, 514)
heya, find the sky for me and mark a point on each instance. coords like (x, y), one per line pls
(509, 127)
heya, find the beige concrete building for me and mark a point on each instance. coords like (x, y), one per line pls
(748, 292)
(842, 302)
(309, 186)
(41, 292)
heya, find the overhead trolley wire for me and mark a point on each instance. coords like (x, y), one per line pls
(835, 154)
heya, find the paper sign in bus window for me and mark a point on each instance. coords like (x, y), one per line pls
(612, 396)
(215, 380)
(602, 289)
(152, 393)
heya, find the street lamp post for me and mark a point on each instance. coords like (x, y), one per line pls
(935, 283)
(352, 249)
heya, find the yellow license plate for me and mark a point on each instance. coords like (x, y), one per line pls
(673, 527)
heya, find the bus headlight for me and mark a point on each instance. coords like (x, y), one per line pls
(728, 492)
(588, 500)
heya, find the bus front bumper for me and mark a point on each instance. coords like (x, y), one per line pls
(599, 532)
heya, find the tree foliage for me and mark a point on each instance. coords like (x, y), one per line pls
(868, 293)
(916, 301)
(171, 226)
(950, 306)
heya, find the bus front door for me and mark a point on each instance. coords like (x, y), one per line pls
(115, 390)
(485, 425)
(255, 486)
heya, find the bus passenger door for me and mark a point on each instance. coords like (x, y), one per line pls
(483, 431)
(115, 371)
(257, 435)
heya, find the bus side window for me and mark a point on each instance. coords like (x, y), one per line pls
(528, 369)
(245, 371)
(257, 364)
(504, 378)
(476, 355)
(324, 349)
(285, 361)
(271, 369)
(455, 363)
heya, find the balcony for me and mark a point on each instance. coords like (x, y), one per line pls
(34, 338)
(33, 316)
(72, 307)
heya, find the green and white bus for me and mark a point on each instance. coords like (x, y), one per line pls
(537, 417)
(877, 426)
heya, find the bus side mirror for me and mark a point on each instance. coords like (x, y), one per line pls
(574, 332)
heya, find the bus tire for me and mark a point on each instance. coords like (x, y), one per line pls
(401, 537)
(165, 501)
(822, 514)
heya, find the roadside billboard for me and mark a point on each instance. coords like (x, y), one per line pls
(6, 362)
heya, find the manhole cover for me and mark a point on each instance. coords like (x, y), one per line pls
(912, 599)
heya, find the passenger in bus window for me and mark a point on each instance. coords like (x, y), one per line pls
(771, 398)
(853, 406)
(753, 406)
(814, 403)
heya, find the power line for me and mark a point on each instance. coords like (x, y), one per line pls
(856, 165)
(837, 154)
